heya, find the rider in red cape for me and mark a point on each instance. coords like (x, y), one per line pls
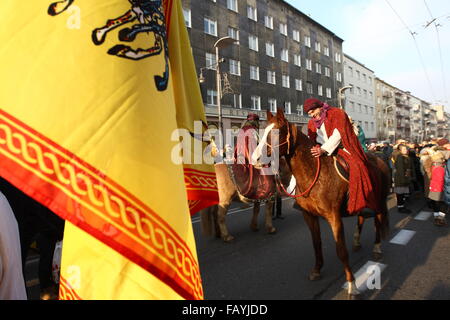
(247, 139)
(331, 128)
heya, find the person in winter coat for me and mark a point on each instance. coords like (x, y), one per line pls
(402, 178)
(436, 194)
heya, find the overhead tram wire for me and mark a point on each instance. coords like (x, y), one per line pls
(417, 48)
(436, 26)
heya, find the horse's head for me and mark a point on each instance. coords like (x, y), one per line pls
(285, 133)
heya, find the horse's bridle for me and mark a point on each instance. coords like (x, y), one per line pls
(288, 138)
(277, 176)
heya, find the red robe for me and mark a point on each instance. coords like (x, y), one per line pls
(362, 193)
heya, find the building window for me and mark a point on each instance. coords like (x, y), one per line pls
(297, 60)
(237, 101)
(285, 55)
(271, 77)
(339, 76)
(235, 67)
(309, 88)
(285, 81)
(211, 97)
(327, 72)
(359, 108)
(287, 108)
(326, 51)
(366, 125)
(298, 85)
(338, 57)
(366, 109)
(328, 90)
(364, 77)
(270, 49)
(309, 64)
(372, 126)
(352, 106)
(210, 27)
(320, 90)
(253, 42)
(232, 5)
(233, 33)
(317, 46)
(254, 73)
(358, 74)
(318, 68)
(359, 91)
(187, 17)
(283, 29)
(252, 13)
(211, 61)
(296, 35)
(300, 109)
(350, 71)
(268, 22)
(256, 103)
(308, 41)
(273, 105)
(370, 80)
(365, 93)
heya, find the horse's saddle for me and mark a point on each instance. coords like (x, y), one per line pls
(251, 183)
(342, 167)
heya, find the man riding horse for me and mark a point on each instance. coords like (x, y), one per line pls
(331, 130)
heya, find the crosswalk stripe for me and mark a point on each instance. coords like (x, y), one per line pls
(403, 237)
(364, 273)
(423, 216)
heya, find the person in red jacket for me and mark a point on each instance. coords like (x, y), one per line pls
(331, 130)
(436, 194)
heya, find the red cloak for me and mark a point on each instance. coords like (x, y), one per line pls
(362, 192)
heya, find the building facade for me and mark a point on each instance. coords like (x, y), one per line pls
(283, 57)
(385, 110)
(443, 122)
(360, 99)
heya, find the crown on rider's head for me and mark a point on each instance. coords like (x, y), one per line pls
(311, 104)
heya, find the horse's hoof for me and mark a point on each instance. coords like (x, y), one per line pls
(271, 230)
(314, 276)
(377, 256)
(356, 248)
(228, 238)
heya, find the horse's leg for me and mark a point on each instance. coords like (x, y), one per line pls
(99, 34)
(254, 222)
(377, 253)
(269, 210)
(338, 232)
(314, 228)
(222, 212)
(357, 234)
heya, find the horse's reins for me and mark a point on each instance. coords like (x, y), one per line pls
(278, 176)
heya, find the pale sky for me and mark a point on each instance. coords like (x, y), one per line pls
(375, 36)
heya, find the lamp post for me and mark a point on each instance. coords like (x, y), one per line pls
(341, 94)
(220, 44)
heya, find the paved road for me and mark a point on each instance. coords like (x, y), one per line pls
(257, 266)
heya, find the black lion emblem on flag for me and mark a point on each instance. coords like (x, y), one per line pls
(148, 16)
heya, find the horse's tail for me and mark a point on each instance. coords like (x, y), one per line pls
(209, 221)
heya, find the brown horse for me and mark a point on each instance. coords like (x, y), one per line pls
(213, 218)
(327, 198)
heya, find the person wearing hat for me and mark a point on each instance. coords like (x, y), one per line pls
(436, 194)
(332, 131)
(247, 139)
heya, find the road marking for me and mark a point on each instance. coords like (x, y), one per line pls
(423, 216)
(403, 237)
(230, 212)
(364, 273)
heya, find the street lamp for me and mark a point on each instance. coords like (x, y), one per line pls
(220, 44)
(341, 94)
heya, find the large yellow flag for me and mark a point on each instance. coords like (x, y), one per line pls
(90, 95)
